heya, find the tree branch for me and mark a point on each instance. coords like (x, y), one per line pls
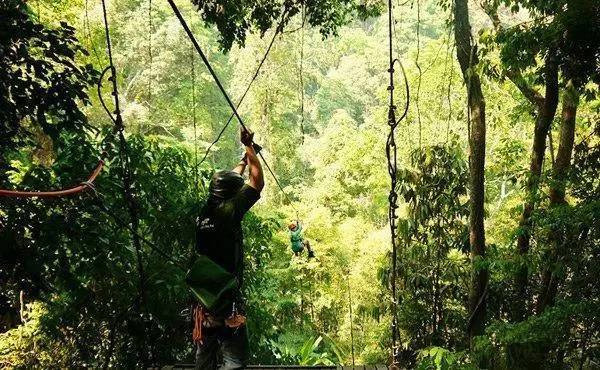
(516, 77)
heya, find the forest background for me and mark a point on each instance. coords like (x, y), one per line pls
(70, 273)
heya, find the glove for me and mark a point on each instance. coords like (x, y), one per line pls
(246, 137)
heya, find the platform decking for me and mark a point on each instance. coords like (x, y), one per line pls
(294, 367)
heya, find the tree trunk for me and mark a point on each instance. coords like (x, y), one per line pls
(557, 193)
(545, 115)
(467, 57)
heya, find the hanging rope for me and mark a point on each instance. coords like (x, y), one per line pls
(302, 74)
(126, 173)
(391, 154)
(225, 95)
(351, 318)
(89, 183)
(150, 55)
(278, 30)
(418, 100)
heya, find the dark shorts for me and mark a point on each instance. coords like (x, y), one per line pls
(223, 348)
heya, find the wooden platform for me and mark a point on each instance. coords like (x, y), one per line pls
(295, 367)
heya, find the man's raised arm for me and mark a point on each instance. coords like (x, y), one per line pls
(255, 172)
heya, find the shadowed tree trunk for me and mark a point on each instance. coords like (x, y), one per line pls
(545, 107)
(467, 57)
(545, 114)
(557, 193)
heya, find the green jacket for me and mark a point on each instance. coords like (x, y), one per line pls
(296, 239)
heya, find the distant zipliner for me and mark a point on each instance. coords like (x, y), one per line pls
(297, 240)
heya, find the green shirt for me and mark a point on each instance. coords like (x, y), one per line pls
(296, 239)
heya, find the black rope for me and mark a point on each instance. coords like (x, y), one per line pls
(188, 31)
(126, 174)
(254, 77)
(391, 154)
(302, 75)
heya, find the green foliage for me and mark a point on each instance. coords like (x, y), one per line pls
(307, 354)
(41, 83)
(28, 346)
(433, 240)
(328, 155)
(442, 359)
(235, 20)
(542, 340)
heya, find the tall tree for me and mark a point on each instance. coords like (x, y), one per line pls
(514, 42)
(580, 49)
(556, 40)
(467, 57)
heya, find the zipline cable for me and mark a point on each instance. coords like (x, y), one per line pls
(254, 77)
(188, 31)
(225, 95)
(391, 154)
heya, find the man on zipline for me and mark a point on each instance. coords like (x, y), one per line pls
(220, 329)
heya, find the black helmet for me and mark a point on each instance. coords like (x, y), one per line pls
(224, 184)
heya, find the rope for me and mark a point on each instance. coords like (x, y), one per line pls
(254, 77)
(206, 63)
(126, 174)
(87, 184)
(225, 95)
(351, 318)
(302, 74)
(150, 54)
(418, 100)
(391, 154)
(56, 193)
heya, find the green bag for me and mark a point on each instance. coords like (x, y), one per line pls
(211, 284)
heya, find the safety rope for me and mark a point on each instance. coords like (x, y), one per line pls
(126, 174)
(278, 30)
(84, 185)
(391, 154)
(224, 93)
(418, 65)
(150, 54)
(132, 206)
(302, 73)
